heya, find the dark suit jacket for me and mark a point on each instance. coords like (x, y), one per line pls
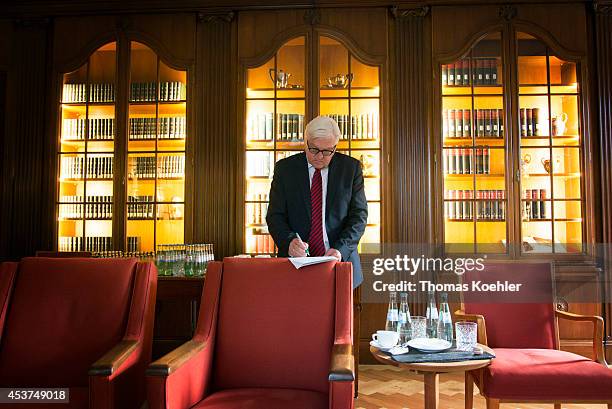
(346, 208)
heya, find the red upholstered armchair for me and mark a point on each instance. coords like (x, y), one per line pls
(269, 336)
(529, 367)
(81, 323)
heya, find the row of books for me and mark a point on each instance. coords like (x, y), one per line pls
(484, 72)
(488, 123)
(96, 207)
(262, 244)
(170, 127)
(489, 205)
(140, 207)
(95, 244)
(148, 167)
(96, 167)
(289, 127)
(75, 93)
(256, 213)
(99, 128)
(259, 164)
(356, 127)
(530, 122)
(467, 161)
(147, 91)
(534, 207)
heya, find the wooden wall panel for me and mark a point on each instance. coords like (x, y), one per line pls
(603, 33)
(365, 27)
(26, 151)
(258, 31)
(93, 31)
(215, 144)
(172, 34)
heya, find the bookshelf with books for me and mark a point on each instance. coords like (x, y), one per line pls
(121, 181)
(86, 141)
(518, 184)
(278, 105)
(474, 144)
(349, 92)
(155, 201)
(273, 129)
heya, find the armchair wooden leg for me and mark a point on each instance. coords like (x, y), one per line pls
(492, 403)
(557, 406)
(469, 390)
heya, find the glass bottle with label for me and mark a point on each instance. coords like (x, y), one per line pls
(405, 327)
(392, 313)
(432, 316)
(445, 323)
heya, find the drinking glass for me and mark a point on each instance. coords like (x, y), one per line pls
(419, 327)
(466, 335)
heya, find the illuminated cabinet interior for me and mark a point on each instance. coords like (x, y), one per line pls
(157, 131)
(87, 131)
(550, 150)
(349, 92)
(150, 156)
(276, 115)
(481, 175)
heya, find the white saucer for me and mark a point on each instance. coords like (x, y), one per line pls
(384, 349)
(429, 345)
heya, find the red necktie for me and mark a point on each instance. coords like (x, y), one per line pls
(315, 241)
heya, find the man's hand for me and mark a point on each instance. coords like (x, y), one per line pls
(334, 253)
(297, 248)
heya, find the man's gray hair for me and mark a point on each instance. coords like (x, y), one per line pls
(322, 127)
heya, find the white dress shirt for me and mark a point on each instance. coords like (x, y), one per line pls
(324, 172)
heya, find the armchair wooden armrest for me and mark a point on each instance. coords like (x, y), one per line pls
(598, 331)
(479, 320)
(113, 359)
(342, 366)
(173, 360)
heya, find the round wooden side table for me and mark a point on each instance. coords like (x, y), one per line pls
(432, 370)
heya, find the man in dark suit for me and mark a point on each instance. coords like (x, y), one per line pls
(318, 196)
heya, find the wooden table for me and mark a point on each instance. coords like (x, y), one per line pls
(432, 370)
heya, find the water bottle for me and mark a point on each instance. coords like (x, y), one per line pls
(405, 328)
(392, 313)
(432, 316)
(445, 322)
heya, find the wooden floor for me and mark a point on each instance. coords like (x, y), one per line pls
(382, 386)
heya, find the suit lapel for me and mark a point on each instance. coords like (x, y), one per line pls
(333, 175)
(303, 180)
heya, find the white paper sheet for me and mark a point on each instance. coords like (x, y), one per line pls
(299, 262)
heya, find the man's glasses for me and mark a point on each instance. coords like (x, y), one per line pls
(325, 152)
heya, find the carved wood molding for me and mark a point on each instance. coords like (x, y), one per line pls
(40, 23)
(312, 17)
(419, 12)
(226, 17)
(507, 13)
(605, 9)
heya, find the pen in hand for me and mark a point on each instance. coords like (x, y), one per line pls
(299, 238)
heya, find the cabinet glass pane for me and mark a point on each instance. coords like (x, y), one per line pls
(350, 94)
(273, 130)
(474, 150)
(334, 71)
(86, 157)
(156, 151)
(550, 131)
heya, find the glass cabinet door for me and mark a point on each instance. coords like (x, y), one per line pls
(86, 154)
(157, 132)
(274, 129)
(550, 150)
(474, 152)
(349, 92)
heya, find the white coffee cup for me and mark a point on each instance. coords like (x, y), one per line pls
(386, 339)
